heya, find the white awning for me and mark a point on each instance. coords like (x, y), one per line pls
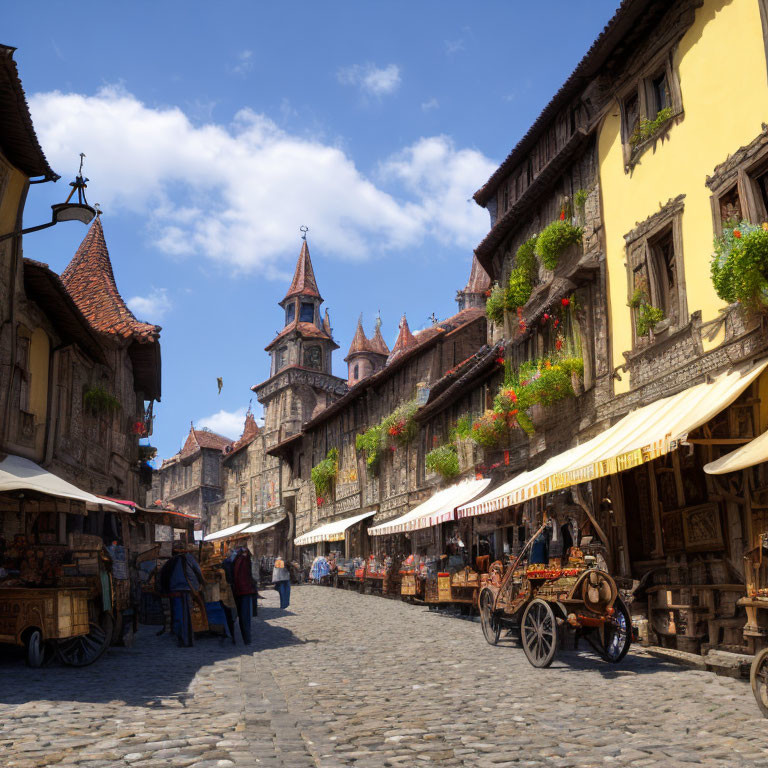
(435, 510)
(259, 527)
(754, 452)
(335, 531)
(224, 532)
(20, 474)
(642, 435)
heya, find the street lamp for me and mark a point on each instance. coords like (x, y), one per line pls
(66, 211)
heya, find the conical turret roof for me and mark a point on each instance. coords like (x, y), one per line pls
(360, 341)
(479, 280)
(405, 340)
(90, 282)
(304, 283)
(377, 343)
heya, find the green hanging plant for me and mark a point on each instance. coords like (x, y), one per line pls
(97, 400)
(555, 238)
(463, 428)
(739, 267)
(370, 442)
(520, 288)
(647, 129)
(400, 426)
(324, 473)
(495, 304)
(647, 317)
(444, 460)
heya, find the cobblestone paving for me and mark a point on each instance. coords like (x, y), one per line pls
(343, 679)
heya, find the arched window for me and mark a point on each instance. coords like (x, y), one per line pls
(356, 372)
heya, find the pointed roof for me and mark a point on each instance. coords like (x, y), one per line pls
(250, 432)
(202, 438)
(360, 342)
(90, 282)
(479, 280)
(405, 340)
(327, 324)
(377, 343)
(304, 283)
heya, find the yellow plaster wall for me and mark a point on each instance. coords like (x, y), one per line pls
(9, 204)
(722, 69)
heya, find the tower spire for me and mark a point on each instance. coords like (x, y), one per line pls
(303, 283)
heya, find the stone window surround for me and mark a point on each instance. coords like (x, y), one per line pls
(739, 172)
(641, 84)
(670, 215)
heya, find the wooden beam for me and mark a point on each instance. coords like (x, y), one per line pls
(719, 440)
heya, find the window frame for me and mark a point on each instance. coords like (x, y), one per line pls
(642, 85)
(639, 250)
(742, 178)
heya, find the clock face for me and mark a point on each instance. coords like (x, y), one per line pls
(313, 357)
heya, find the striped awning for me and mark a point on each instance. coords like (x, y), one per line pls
(642, 435)
(437, 509)
(335, 531)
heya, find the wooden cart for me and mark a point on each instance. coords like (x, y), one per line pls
(544, 601)
(41, 618)
(755, 603)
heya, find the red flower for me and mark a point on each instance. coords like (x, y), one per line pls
(500, 360)
(513, 412)
(736, 233)
(562, 215)
(565, 302)
(320, 501)
(487, 293)
(557, 322)
(558, 344)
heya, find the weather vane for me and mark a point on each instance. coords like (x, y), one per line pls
(303, 229)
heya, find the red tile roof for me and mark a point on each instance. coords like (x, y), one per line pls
(250, 433)
(304, 283)
(405, 340)
(479, 280)
(361, 344)
(307, 330)
(202, 438)
(377, 343)
(91, 283)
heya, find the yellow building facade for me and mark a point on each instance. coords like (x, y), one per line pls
(718, 92)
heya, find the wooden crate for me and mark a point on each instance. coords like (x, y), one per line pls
(444, 587)
(408, 585)
(72, 618)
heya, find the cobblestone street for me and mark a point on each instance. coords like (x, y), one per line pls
(343, 679)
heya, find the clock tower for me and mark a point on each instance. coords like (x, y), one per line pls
(301, 382)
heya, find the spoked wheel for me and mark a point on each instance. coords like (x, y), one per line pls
(34, 649)
(489, 623)
(617, 635)
(758, 677)
(85, 649)
(539, 633)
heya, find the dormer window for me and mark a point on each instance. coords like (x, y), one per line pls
(307, 312)
(290, 313)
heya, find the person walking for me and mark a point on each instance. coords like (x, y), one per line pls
(244, 589)
(282, 578)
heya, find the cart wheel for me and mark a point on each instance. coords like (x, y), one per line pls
(85, 649)
(617, 635)
(34, 649)
(758, 677)
(489, 623)
(539, 633)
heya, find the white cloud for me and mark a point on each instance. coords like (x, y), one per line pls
(438, 173)
(237, 193)
(454, 46)
(244, 63)
(373, 80)
(427, 106)
(227, 423)
(151, 307)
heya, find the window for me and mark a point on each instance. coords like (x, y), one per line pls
(356, 373)
(740, 186)
(280, 358)
(307, 312)
(290, 313)
(644, 115)
(313, 357)
(505, 200)
(656, 284)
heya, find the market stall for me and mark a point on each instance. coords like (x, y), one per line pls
(59, 582)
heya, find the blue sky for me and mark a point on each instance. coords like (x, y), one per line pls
(214, 130)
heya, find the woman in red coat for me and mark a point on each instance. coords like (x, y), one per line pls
(244, 589)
